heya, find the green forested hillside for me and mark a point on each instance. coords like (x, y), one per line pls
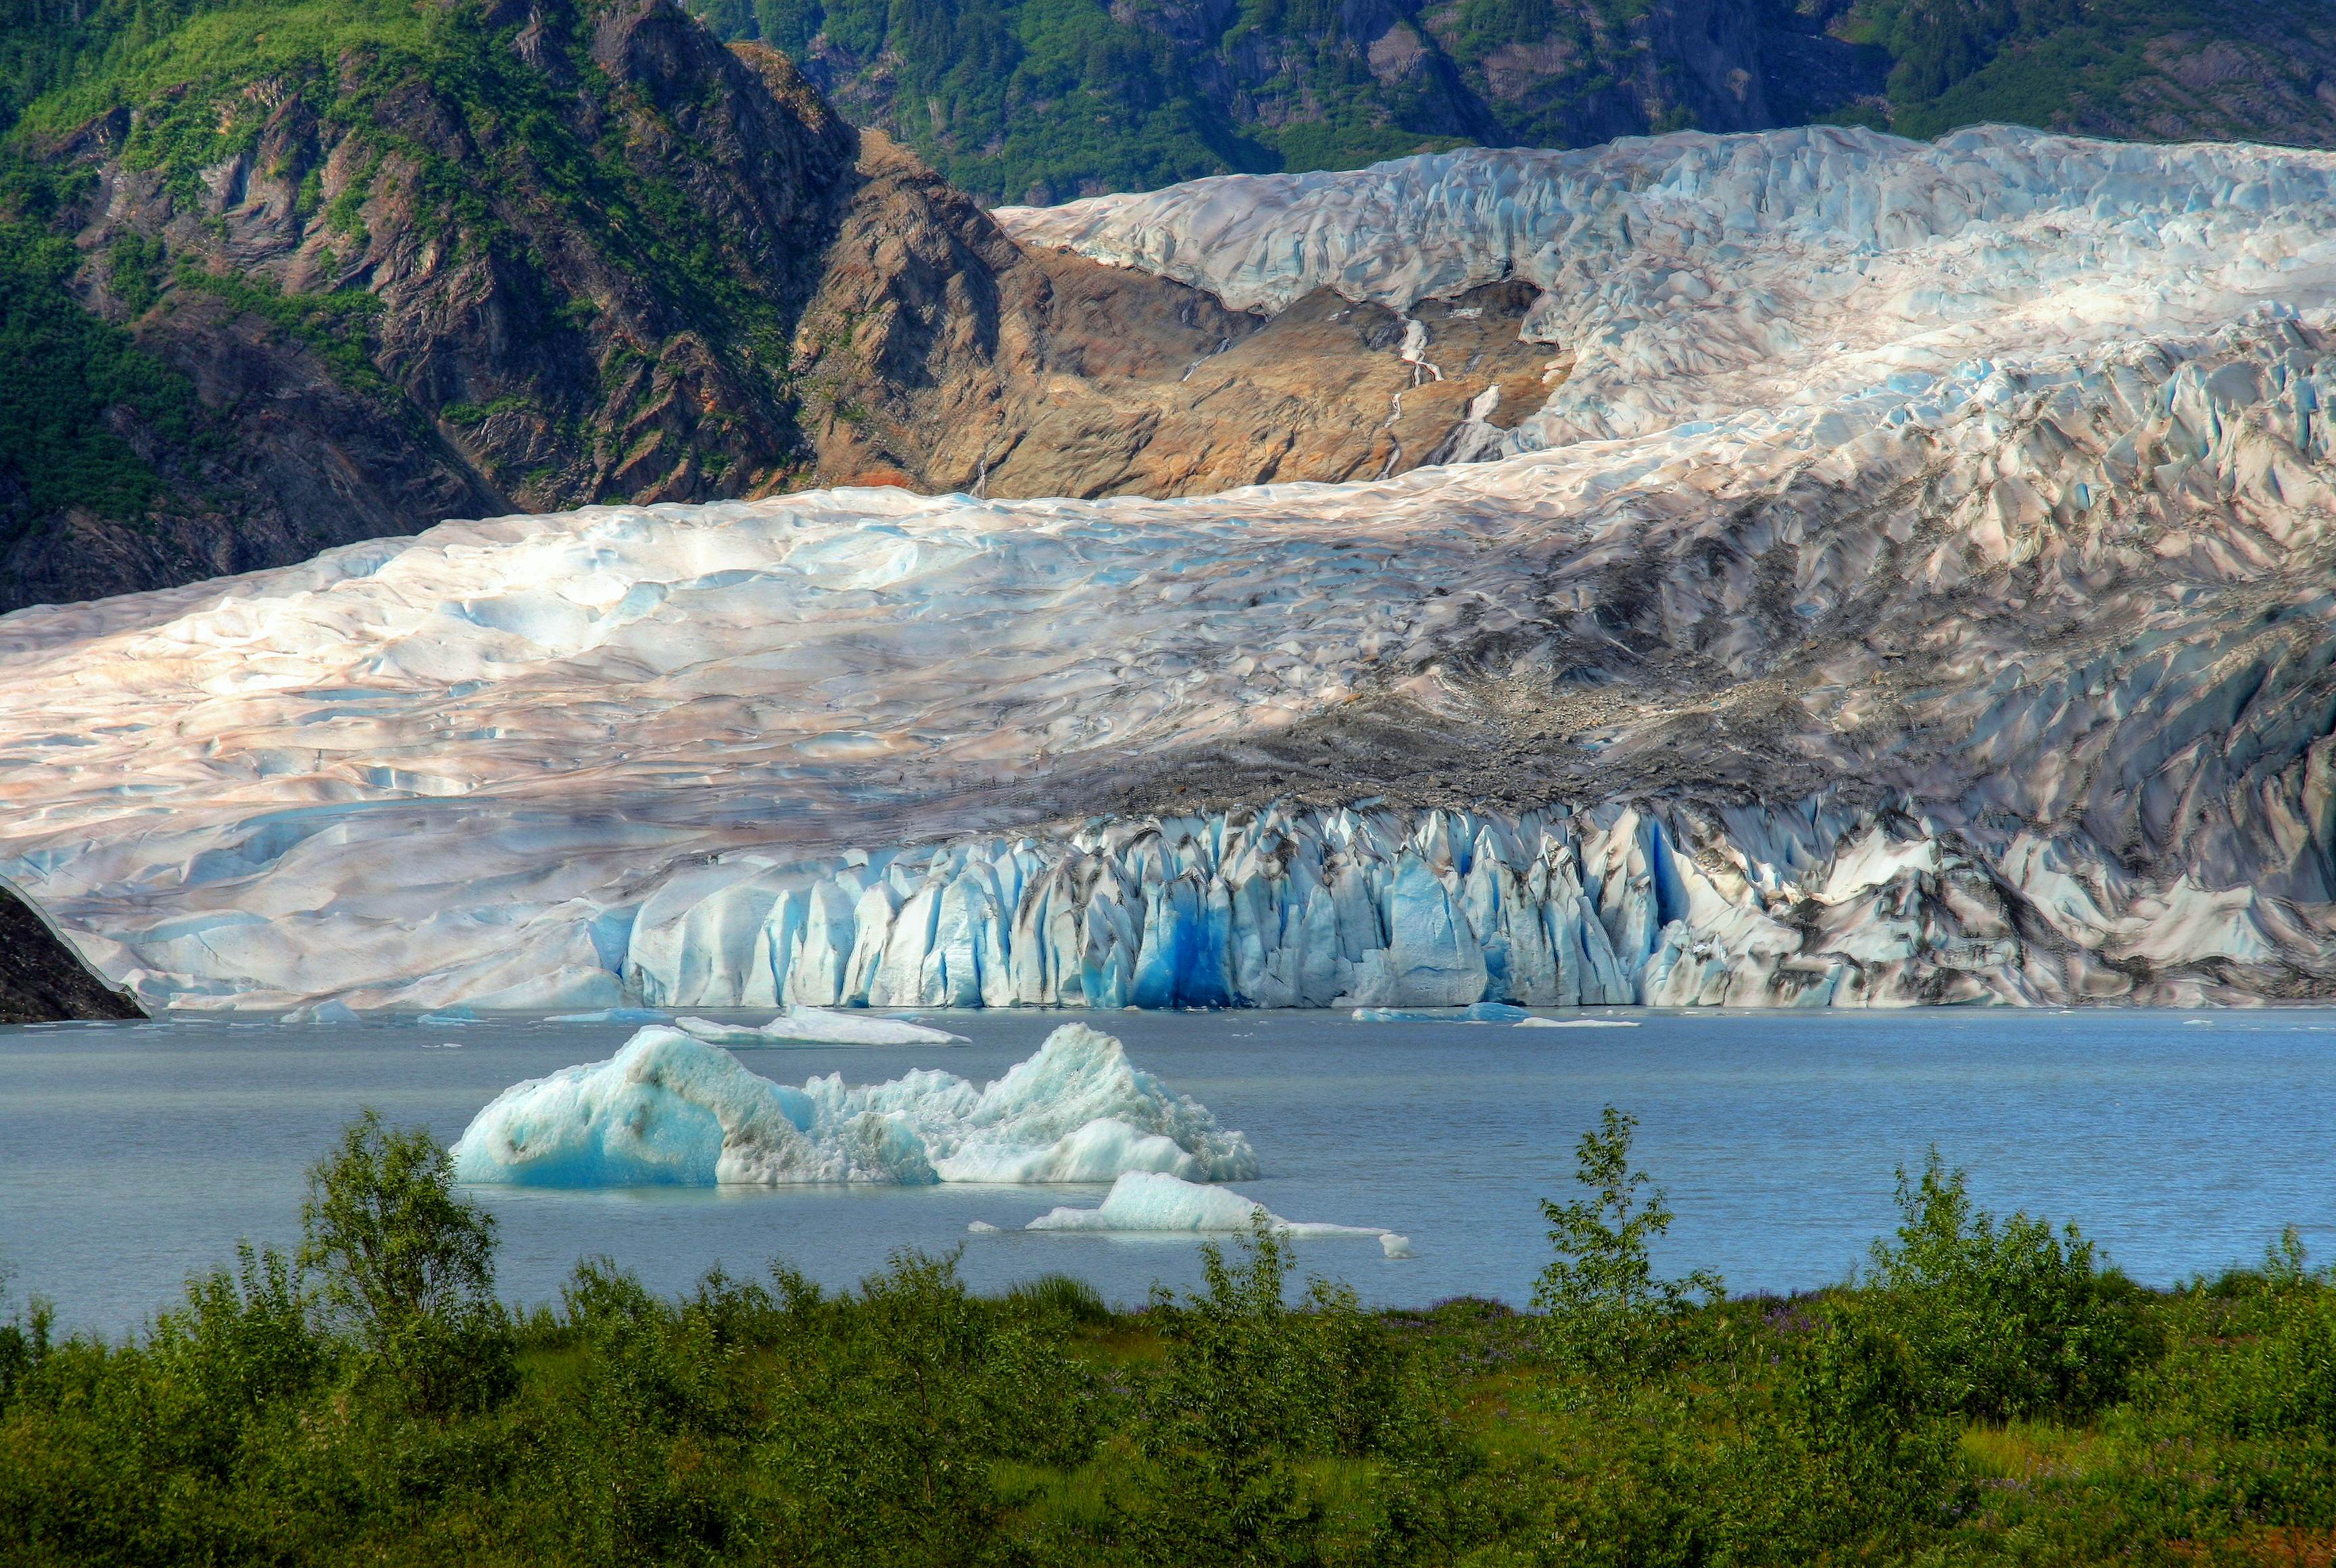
(278, 274)
(1046, 99)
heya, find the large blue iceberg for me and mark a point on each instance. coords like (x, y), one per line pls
(669, 1109)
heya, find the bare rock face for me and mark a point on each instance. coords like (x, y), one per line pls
(42, 981)
(941, 355)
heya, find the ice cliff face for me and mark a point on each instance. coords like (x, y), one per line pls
(1918, 589)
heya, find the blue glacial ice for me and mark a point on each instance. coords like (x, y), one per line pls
(1142, 1201)
(1276, 908)
(669, 1109)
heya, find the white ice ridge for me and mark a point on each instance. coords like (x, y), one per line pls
(671, 1109)
(817, 1026)
(1696, 277)
(1989, 656)
(1143, 1202)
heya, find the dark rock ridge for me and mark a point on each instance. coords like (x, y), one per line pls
(42, 981)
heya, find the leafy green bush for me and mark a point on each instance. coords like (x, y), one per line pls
(1608, 1312)
(2005, 1319)
(2260, 1360)
(407, 1267)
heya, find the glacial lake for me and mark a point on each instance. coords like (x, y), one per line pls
(132, 1154)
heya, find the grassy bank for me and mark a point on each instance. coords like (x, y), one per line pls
(1986, 1392)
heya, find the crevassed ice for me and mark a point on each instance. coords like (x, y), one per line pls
(1695, 276)
(671, 1109)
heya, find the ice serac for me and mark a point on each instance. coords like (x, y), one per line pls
(1914, 588)
(671, 1109)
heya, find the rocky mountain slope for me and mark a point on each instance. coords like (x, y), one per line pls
(42, 981)
(264, 292)
(1915, 589)
(1024, 103)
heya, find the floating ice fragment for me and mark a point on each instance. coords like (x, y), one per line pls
(613, 1016)
(672, 1109)
(1479, 1013)
(982, 1228)
(1576, 1023)
(331, 1010)
(1143, 1202)
(448, 1016)
(817, 1026)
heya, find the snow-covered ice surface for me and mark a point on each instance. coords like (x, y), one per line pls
(819, 1026)
(1916, 589)
(1143, 1202)
(671, 1109)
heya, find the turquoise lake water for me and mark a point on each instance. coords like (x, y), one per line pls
(131, 1154)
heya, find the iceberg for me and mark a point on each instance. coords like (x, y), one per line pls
(1141, 1202)
(670, 1109)
(1538, 1022)
(817, 1026)
(613, 1016)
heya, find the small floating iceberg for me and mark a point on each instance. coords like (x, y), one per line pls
(1147, 1202)
(331, 1010)
(670, 1109)
(1479, 1013)
(613, 1016)
(801, 1026)
(1576, 1024)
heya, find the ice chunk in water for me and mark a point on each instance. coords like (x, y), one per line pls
(1143, 1202)
(671, 1109)
(819, 1027)
(1478, 1013)
(1576, 1024)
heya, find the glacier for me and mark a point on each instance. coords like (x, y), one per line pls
(1144, 1202)
(670, 1109)
(1913, 589)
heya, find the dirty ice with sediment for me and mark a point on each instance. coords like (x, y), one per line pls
(1916, 587)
